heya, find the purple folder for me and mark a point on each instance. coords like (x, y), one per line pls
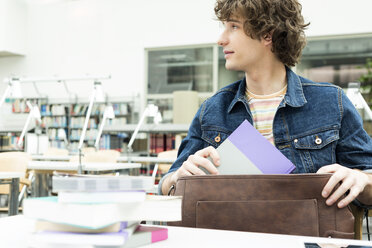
(246, 151)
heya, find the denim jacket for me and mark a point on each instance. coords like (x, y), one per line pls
(315, 125)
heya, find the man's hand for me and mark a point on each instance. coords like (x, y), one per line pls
(193, 162)
(191, 166)
(353, 180)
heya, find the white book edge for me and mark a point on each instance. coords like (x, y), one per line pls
(154, 208)
(104, 239)
(101, 197)
(101, 184)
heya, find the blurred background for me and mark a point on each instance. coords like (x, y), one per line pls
(149, 49)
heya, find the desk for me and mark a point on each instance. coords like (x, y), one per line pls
(12, 178)
(73, 166)
(14, 231)
(131, 159)
(136, 159)
(44, 168)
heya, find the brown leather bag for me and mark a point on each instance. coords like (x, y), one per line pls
(284, 204)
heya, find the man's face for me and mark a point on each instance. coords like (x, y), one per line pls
(241, 51)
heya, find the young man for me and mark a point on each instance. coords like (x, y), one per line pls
(312, 124)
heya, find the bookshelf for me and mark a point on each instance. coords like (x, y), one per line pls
(10, 128)
(155, 138)
(12, 121)
(69, 118)
(55, 120)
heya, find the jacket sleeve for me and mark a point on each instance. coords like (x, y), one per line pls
(354, 149)
(191, 144)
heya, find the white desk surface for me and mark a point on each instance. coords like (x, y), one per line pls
(10, 175)
(135, 159)
(146, 159)
(14, 231)
(73, 166)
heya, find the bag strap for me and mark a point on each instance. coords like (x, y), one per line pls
(172, 189)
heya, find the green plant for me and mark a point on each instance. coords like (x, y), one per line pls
(366, 80)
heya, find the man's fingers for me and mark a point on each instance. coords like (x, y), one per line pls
(328, 168)
(210, 151)
(205, 152)
(215, 156)
(183, 172)
(192, 168)
(344, 187)
(354, 192)
(332, 182)
(201, 161)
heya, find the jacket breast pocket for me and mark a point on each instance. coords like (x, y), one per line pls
(317, 149)
(214, 136)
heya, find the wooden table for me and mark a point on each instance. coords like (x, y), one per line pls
(43, 169)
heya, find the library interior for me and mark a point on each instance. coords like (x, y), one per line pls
(165, 123)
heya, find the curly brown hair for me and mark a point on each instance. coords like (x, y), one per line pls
(281, 18)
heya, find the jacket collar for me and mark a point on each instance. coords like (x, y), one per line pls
(294, 97)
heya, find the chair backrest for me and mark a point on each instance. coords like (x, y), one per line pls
(15, 162)
(86, 150)
(51, 151)
(104, 156)
(101, 156)
(164, 168)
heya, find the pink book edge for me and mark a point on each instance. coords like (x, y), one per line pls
(157, 233)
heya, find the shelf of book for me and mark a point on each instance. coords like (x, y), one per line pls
(11, 127)
(8, 142)
(70, 117)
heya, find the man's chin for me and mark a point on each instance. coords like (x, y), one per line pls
(231, 67)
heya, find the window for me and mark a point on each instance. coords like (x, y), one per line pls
(337, 59)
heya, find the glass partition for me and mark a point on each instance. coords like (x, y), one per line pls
(180, 69)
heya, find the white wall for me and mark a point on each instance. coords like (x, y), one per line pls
(105, 37)
(329, 17)
(109, 36)
(12, 26)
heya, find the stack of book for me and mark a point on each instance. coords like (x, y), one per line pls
(100, 211)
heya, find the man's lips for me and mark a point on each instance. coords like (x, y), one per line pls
(228, 53)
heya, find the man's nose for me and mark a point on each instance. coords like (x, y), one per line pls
(222, 40)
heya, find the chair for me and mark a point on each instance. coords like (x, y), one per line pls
(86, 150)
(164, 168)
(15, 162)
(360, 211)
(53, 151)
(101, 156)
(104, 156)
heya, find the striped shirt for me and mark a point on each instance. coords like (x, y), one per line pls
(263, 108)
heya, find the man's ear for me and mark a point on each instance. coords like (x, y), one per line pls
(267, 39)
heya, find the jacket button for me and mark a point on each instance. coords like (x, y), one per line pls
(217, 139)
(318, 141)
